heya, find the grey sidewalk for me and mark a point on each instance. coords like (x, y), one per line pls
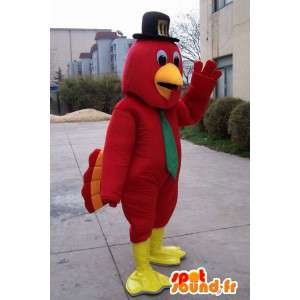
(91, 254)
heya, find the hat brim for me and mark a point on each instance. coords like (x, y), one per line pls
(140, 36)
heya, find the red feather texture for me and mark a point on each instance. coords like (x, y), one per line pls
(134, 164)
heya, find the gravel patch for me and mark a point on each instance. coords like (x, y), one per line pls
(83, 115)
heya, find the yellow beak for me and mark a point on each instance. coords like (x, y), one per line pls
(166, 79)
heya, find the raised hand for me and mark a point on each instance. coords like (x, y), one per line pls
(194, 103)
(206, 76)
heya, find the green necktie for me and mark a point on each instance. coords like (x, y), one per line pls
(170, 145)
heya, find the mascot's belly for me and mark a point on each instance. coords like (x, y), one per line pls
(148, 159)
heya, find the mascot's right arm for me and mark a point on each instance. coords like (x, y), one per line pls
(120, 139)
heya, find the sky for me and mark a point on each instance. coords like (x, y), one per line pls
(125, 16)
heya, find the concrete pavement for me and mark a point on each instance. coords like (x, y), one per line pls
(91, 254)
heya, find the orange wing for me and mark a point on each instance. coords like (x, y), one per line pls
(91, 182)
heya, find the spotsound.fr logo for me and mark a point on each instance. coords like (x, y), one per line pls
(195, 282)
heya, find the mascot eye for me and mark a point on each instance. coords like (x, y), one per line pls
(176, 58)
(161, 57)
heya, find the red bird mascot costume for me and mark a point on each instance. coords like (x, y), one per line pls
(141, 159)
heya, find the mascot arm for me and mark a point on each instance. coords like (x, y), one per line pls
(192, 106)
(120, 139)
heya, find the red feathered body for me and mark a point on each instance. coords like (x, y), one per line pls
(134, 164)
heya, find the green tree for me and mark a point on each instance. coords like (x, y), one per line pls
(58, 77)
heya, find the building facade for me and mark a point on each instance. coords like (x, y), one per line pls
(118, 52)
(85, 59)
(74, 69)
(107, 56)
(225, 37)
(104, 41)
(66, 44)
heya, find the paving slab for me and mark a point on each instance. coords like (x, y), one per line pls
(66, 206)
(62, 156)
(224, 253)
(75, 233)
(85, 275)
(82, 153)
(65, 192)
(86, 133)
(114, 225)
(211, 220)
(58, 135)
(65, 183)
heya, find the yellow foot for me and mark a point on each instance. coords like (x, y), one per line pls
(146, 282)
(167, 256)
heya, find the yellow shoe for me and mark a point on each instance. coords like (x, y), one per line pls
(145, 280)
(164, 255)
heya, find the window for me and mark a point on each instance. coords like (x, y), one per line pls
(219, 4)
(224, 85)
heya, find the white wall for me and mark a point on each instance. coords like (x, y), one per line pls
(121, 49)
(104, 56)
(241, 42)
(85, 66)
(95, 63)
(226, 32)
(73, 68)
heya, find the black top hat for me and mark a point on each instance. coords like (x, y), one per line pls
(155, 26)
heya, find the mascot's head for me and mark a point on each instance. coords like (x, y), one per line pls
(153, 67)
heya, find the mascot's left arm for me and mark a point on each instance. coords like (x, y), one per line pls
(194, 103)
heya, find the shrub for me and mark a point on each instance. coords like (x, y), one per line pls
(201, 123)
(101, 93)
(217, 116)
(239, 126)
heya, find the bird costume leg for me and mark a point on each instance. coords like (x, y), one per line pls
(164, 255)
(145, 280)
